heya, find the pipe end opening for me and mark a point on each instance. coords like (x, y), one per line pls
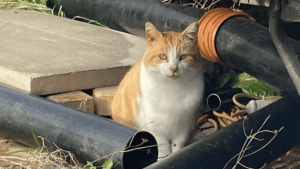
(140, 157)
(214, 101)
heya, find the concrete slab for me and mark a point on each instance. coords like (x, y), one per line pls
(77, 99)
(44, 54)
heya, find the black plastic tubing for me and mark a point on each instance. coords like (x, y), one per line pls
(88, 137)
(243, 44)
(248, 46)
(131, 15)
(216, 150)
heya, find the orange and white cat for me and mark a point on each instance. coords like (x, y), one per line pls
(164, 87)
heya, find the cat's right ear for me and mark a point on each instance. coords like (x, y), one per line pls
(152, 34)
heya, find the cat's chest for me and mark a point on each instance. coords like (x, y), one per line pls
(164, 95)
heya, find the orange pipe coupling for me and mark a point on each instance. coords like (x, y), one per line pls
(208, 27)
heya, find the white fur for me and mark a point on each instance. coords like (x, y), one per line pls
(170, 104)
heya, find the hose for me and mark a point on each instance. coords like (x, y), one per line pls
(225, 119)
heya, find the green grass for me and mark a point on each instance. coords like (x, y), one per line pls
(38, 5)
(34, 151)
(40, 149)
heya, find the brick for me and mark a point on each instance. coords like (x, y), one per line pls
(102, 100)
(77, 99)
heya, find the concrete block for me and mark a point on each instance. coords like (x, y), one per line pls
(43, 54)
(102, 100)
(77, 99)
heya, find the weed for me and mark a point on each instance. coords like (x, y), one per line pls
(62, 158)
(34, 151)
(38, 5)
(107, 164)
(90, 165)
(40, 155)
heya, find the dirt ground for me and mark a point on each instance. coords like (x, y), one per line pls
(8, 145)
(46, 160)
(291, 160)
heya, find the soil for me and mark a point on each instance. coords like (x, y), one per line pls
(6, 146)
(291, 160)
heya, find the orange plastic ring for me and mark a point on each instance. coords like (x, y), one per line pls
(208, 27)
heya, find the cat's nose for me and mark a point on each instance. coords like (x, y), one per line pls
(174, 69)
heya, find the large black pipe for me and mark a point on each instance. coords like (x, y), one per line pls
(89, 137)
(248, 46)
(215, 150)
(241, 43)
(131, 15)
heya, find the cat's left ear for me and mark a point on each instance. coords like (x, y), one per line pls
(190, 33)
(152, 34)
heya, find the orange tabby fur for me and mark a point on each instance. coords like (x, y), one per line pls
(124, 105)
(165, 86)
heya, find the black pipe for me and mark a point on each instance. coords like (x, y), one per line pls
(248, 46)
(241, 43)
(215, 150)
(88, 137)
(131, 15)
(222, 100)
(282, 43)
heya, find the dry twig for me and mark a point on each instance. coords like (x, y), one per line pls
(202, 4)
(59, 158)
(249, 138)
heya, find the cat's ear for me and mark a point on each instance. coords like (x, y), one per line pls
(190, 33)
(152, 34)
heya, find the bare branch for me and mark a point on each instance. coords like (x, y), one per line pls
(249, 139)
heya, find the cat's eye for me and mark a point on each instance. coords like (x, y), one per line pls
(182, 57)
(163, 56)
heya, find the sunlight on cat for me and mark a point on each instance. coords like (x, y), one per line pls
(165, 87)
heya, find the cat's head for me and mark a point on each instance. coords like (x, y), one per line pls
(172, 55)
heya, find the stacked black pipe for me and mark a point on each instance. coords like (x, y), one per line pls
(243, 44)
(216, 150)
(88, 137)
(131, 15)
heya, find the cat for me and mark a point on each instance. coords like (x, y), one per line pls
(163, 91)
